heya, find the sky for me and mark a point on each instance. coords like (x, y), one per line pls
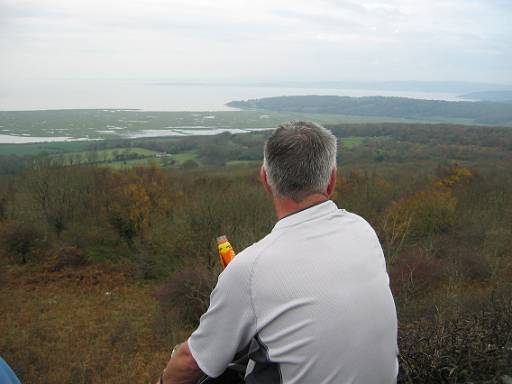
(257, 40)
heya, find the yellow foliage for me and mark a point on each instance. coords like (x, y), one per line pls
(156, 184)
(356, 181)
(430, 211)
(132, 205)
(141, 195)
(424, 213)
(457, 175)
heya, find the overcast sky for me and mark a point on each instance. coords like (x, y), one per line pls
(469, 40)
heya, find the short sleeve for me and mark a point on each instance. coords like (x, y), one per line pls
(229, 323)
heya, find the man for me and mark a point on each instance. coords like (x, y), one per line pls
(7, 375)
(312, 298)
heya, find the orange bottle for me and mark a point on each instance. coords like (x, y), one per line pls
(226, 251)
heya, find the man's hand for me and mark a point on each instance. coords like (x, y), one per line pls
(182, 367)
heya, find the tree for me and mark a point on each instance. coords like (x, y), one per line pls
(189, 164)
(140, 196)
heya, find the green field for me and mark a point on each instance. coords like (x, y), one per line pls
(182, 157)
(246, 163)
(132, 163)
(350, 142)
(136, 153)
(175, 160)
(33, 149)
(104, 155)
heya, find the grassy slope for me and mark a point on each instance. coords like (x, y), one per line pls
(49, 316)
(99, 311)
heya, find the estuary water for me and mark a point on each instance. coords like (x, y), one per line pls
(158, 96)
(17, 139)
(153, 96)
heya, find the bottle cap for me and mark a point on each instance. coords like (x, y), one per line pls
(222, 239)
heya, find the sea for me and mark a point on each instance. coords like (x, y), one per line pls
(160, 96)
(155, 95)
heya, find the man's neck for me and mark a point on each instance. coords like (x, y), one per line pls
(285, 206)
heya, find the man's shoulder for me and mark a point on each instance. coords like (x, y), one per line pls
(239, 272)
(246, 258)
(353, 219)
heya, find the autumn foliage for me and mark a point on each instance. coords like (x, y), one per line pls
(102, 271)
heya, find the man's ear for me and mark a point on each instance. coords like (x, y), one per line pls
(332, 182)
(264, 180)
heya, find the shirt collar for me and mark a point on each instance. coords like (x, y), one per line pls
(306, 214)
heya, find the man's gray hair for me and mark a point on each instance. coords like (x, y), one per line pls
(299, 158)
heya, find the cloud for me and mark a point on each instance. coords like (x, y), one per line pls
(181, 39)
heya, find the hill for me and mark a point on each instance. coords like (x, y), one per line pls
(116, 265)
(497, 96)
(429, 110)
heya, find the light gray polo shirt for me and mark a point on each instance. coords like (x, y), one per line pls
(314, 296)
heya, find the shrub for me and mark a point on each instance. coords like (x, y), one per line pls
(19, 241)
(415, 275)
(470, 348)
(68, 257)
(474, 265)
(186, 294)
(3, 208)
(2, 272)
(428, 212)
(424, 214)
(498, 241)
(190, 164)
(364, 193)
